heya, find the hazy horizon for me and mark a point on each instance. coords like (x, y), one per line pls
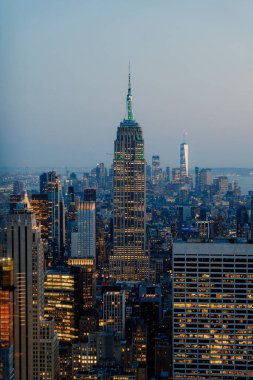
(63, 75)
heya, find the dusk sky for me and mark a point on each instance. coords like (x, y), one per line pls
(63, 78)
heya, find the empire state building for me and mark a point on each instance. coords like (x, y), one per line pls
(129, 261)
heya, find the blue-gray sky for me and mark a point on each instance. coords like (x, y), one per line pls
(63, 77)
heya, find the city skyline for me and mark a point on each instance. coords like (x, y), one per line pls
(63, 84)
(126, 233)
(135, 273)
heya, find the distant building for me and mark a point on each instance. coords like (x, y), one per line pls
(74, 244)
(86, 221)
(176, 175)
(40, 208)
(205, 229)
(197, 179)
(184, 160)
(101, 174)
(14, 200)
(156, 170)
(50, 185)
(114, 315)
(167, 173)
(205, 179)
(18, 188)
(221, 184)
(242, 219)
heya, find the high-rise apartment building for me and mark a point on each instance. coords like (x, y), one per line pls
(86, 221)
(129, 260)
(212, 311)
(184, 160)
(25, 247)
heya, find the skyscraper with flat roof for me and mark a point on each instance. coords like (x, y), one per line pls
(86, 221)
(114, 312)
(64, 298)
(212, 311)
(129, 260)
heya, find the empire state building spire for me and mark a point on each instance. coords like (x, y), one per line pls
(129, 99)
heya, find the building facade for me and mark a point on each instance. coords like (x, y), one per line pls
(212, 311)
(63, 300)
(114, 315)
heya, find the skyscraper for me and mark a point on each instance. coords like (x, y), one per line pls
(212, 311)
(114, 312)
(86, 221)
(129, 260)
(40, 208)
(156, 170)
(26, 249)
(51, 186)
(205, 179)
(184, 160)
(63, 300)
